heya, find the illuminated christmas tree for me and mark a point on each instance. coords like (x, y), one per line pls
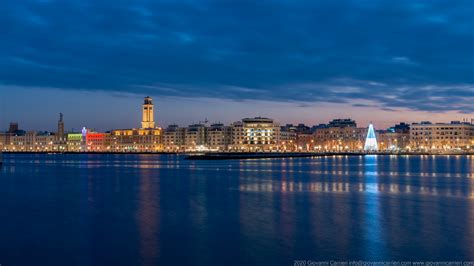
(371, 140)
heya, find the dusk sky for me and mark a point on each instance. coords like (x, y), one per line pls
(294, 61)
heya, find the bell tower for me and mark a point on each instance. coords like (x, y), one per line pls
(148, 119)
(61, 128)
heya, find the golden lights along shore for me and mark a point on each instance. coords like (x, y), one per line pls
(256, 134)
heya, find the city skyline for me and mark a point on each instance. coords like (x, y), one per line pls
(250, 134)
(125, 111)
(380, 62)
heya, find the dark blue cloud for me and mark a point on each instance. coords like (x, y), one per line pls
(403, 54)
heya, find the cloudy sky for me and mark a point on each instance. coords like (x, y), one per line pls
(295, 61)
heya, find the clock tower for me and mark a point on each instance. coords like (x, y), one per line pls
(148, 120)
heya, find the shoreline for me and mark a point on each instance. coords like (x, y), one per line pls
(248, 155)
(238, 156)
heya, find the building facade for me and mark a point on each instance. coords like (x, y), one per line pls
(136, 140)
(219, 137)
(456, 135)
(195, 138)
(255, 135)
(174, 139)
(74, 142)
(148, 138)
(339, 135)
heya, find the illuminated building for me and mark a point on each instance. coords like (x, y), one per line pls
(305, 142)
(45, 141)
(393, 141)
(219, 137)
(6, 138)
(195, 137)
(396, 138)
(287, 139)
(98, 142)
(371, 140)
(145, 139)
(74, 141)
(31, 141)
(456, 135)
(148, 118)
(296, 138)
(174, 138)
(136, 140)
(255, 134)
(339, 135)
(20, 142)
(3, 140)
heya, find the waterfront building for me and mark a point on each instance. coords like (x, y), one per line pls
(31, 141)
(305, 142)
(20, 141)
(6, 138)
(255, 134)
(145, 139)
(287, 139)
(288, 135)
(219, 137)
(98, 142)
(74, 142)
(3, 140)
(396, 138)
(174, 138)
(195, 137)
(136, 140)
(393, 141)
(237, 129)
(45, 141)
(294, 138)
(339, 135)
(426, 136)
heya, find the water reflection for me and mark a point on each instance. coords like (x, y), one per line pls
(351, 187)
(154, 209)
(148, 215)
(373, 229)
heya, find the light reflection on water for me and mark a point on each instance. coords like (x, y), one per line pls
(373, 232)
(159, 209)
(148, 215)
(339, 187)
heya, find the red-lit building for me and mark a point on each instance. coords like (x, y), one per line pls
(96, 141)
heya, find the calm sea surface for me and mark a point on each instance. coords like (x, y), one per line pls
(161, 209)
